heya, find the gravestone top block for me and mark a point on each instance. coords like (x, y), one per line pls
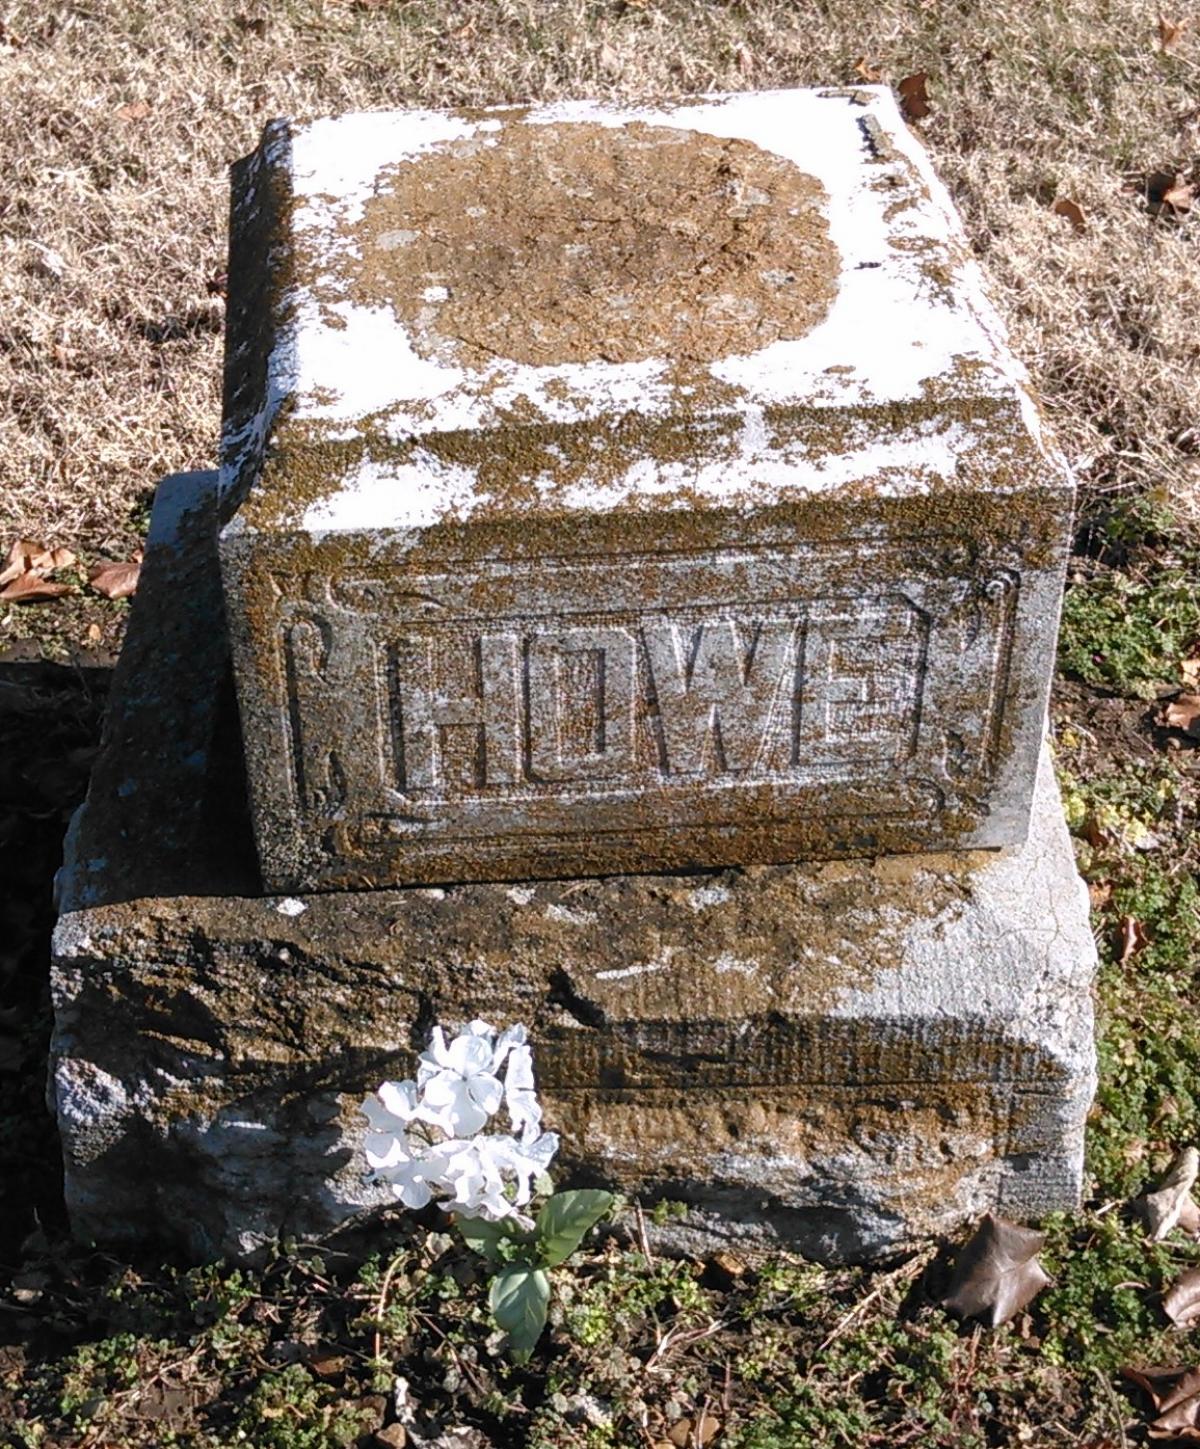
(615, 489)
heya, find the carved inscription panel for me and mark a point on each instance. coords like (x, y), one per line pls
(737, 694)
(500, 705)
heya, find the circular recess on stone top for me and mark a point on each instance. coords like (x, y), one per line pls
(575, 242)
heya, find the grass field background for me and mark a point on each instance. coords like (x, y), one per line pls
(119, 121)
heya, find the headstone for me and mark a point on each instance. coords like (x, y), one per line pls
(603, 492)
(840, 1058)
(618, 490)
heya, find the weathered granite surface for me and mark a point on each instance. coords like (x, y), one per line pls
(619, 489)
(841, 1057)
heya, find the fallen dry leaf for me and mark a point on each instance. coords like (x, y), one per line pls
(1189, 672)
(30, 1287)
(327, 1366)
(727, 1267)
(1183, 713)
(25, 555)
(914, 97)
(997, 1273)
(31, 588)
(1166, 1206)
(1072, 210)
(864, 70)
(17, 565)
(1133, 1152)
(685, 1433)
(1175, 1394)
(1179, 195)
(115, 580)
(1170, 32)
(134, 111)
(1099, 893)
(1133, 938)
(46, 560)
(23, 578)
(1095, 833)
(1181, 1302)
(395, 1436)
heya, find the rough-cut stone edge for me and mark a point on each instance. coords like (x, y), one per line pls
(174, 669)
(210, 1053)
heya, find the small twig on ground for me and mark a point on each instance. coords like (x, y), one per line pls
(460, 1363)
(1115, 1404)
(698, 1424)
(382, 1304)
(905, 1270)
(643, 1235)
(973, 1356)
(677, 1338)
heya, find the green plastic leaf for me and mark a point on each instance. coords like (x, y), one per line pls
(519, 1298)
(564, 1220)
(487, 1238)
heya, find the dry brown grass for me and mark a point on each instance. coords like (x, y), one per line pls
(118, 121)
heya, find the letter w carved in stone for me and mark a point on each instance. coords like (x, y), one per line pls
(720, 688)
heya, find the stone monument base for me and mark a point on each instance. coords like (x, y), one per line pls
(836, 1058)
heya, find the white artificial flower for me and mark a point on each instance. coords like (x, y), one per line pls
(460, 1090)
(490, 1176)
(523, 1106)
(457, 1091)
(476, 1181)
(525, 1159)
(393, 1157)
(408, 1181)
(398, 1099)
(510, 1037)
(388, 1111)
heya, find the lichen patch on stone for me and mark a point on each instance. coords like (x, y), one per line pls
(548, 244)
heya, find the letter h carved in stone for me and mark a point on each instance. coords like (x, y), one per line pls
(456, 710)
